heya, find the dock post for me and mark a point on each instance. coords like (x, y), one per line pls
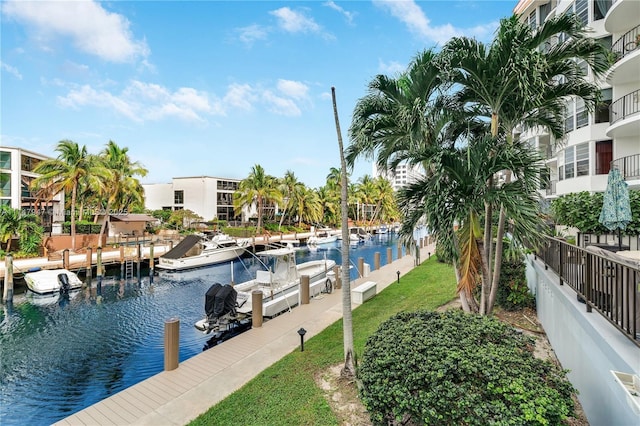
(151, 261)
(65, 259)
(399, 250)
(336, 271)
(361, 267)
(304, 290)
(389, 256)
(376, 260)
(89, 265)
(256, 308)
(7, 296)
(171, 343)
(99, 262)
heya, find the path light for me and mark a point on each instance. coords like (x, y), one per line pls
(398, 275)
(302, 332)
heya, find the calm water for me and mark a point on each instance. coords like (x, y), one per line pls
(58, 356)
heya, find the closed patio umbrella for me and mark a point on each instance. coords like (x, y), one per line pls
(616, 208)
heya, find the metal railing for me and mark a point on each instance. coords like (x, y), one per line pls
(609, 287)
(629, 166)
(624, 107)
(551, 187)
(626, 44)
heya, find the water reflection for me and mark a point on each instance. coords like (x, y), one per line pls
(62, 354)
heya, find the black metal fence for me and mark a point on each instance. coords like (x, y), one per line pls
(608, 286)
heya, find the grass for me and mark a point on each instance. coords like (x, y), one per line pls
(286, 393)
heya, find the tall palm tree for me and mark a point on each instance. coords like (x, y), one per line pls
(308, 206)
(122, 190)
(367, 195)
(521, 78)
(291, 190)
(386, 206)
(255, 190)
(73, 166)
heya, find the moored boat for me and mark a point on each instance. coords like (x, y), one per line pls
(323, 236)
(47, 281)
(207, 251)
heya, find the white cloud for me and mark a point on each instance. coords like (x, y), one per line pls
(293, 89)
(348, 15)
(280, 105)
(11, 70)
(418, 23)
(240, 96)
(92, 29)
(252, 33)
(295, 22)
(391, 68)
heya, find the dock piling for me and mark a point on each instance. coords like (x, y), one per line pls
(389, 256)
(336, 271)
(7, 294)
(256, 308)
(304, 290)
(361, 266)
(376, 261)
(89, 265)
(171, 343)
(65, 259)
(99, 262)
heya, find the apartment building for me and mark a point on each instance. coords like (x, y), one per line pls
(609, 136)
(403, 175)
(16, 174)
(206, 196)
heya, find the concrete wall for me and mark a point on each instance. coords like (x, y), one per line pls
(588, 346)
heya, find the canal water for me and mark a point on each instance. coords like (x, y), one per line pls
(59, 355)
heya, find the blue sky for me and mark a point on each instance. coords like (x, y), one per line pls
(212, 87)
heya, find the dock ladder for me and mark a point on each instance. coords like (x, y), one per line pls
(128, 269)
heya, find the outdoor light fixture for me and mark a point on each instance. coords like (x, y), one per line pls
(302, 332)
(398, 275)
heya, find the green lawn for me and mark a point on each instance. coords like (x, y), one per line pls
(286, 393)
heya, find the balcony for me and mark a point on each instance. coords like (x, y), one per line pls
(622, 15)
(624, 116)
(627, 56)
(629, 166)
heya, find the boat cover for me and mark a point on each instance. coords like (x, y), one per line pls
(219, 300)
(182, 247)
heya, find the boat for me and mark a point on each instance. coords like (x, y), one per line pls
(358, 234)
(47, 281)
(219, 248)
(323, 236)
(279, 285)
(382, 229)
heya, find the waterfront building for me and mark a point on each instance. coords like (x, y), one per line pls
(208, 197)
(403, 175)
(609, 136)
(16, 174)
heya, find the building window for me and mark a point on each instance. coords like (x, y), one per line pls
(226, 185)
(582, 115)
(27, 163)
(531, 20)
(5, 185)
(601, 114)
(544, 12)
(568, 121)
(575, 161)
(582, 11)
(604, 156)
(224, 198)
(26, 190)
(178, 197)
(5, 160)
(600, 9)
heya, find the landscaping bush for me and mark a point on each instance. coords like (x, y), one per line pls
(454, 368)
(513, 292)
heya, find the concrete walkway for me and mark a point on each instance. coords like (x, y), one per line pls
(179, 396)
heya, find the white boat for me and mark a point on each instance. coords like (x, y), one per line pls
(280, 287)
(208, 251)
(323, 236)
(383, 229)
(47, 281)
(357, 234)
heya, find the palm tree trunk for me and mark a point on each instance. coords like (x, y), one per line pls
(73, 216)
(349, 370)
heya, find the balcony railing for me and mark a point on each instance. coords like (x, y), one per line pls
(629, 166)
(551, 187)
(604, 285)
(626, 44)
(624, 107)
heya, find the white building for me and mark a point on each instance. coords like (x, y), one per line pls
(404, 175)
(16, 174)
(208, 197)
(609, 136)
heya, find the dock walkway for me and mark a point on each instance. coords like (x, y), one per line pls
(179, 396)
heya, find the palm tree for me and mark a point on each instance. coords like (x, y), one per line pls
(73, 166)
(15, 222)
(386, 207)
(521, 79)
(257, 189)
(308, 206)
(291, 189)
(121, 190)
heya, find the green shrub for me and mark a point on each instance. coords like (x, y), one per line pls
(454, 368)
(513, 292)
